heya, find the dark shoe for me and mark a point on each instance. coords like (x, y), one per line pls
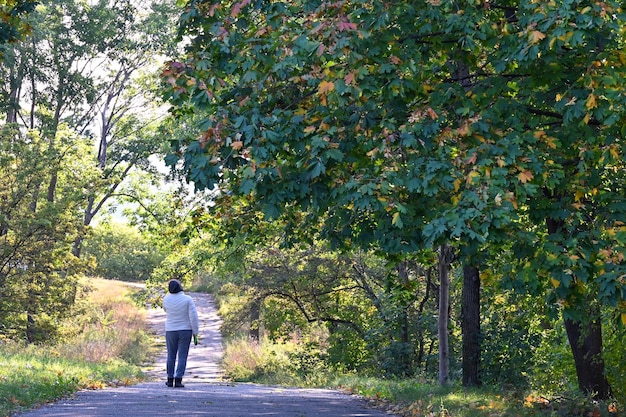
(178, 383)
(170, 382)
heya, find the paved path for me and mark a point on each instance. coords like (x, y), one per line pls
(204, 358)
(205, 394)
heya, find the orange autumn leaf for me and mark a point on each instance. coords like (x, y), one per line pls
(525, 176)
(236, 145)
(431, 113)
(471, 159)
(325, 87)
(346, 26)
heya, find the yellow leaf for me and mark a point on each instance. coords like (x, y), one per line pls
(555, 282)
(457, 184)
(236, 145)
(624, 319)
(325, 87)
(578, 195)
(396, 221)
(309, 129)
(525, 176)
(591, 102)
(471, 176)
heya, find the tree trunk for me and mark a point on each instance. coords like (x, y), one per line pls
(445, 258)
(470, 324)
(255, 316)
(585, 340)
(405, 359)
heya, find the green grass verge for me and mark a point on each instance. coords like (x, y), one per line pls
(30, 376)
(412, 398)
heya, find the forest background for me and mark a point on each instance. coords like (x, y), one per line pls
(424, 190)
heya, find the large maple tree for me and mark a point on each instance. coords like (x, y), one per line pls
(415, 123)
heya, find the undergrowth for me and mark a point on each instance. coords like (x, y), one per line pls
(293, 364)
(103, 343)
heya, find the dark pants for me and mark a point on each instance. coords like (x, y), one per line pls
(178, 343)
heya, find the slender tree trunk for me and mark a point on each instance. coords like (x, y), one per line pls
(403, 274)
(470, 324)
(445, 258)
(420, 311)
(405, 357)
(255, 316)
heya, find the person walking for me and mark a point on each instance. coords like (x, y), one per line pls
(181, 324)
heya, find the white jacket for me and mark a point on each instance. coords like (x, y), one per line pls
(181, 313)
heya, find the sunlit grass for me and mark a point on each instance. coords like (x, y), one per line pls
(104, 343)
(416, 397)
(419, 398)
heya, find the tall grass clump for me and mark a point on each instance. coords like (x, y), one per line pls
(275, 362)
(108, 326)
(103, 343)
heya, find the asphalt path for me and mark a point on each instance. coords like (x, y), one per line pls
(205, 392)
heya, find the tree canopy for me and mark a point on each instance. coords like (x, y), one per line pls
(408, 124)
(419, 122)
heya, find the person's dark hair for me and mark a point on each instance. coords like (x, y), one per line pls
(174, 286)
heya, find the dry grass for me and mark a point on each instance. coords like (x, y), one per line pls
(103, 343)
(111, 326)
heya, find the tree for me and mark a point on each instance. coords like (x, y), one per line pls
(121, 252)
(12, 20)
(93, 76)
(421, 123)
(470, 317)
(128, 120)
(38, 274)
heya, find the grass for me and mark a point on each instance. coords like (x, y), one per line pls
(274, 364)
(103, 344)
(414, 398)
